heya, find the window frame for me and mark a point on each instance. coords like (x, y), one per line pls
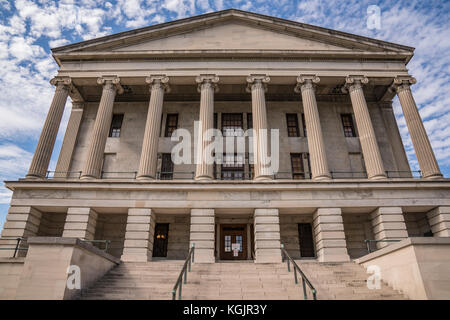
(170, 128)
(347, 127)
(297, 175)
(116, 130)
(293, 130)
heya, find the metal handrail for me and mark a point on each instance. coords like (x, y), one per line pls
(106, 242)
(186, 267)
(305, 281)
(174, 175)
(368, 242)
(16, 248)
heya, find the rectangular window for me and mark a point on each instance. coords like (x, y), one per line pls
(215, 120)
(297, 166)
(171, 124)
(304, 124)
(233, 167)
(292, 124)
(249, 121)
(166, 167)
(347, 123)
(232, 125)
(116, 125)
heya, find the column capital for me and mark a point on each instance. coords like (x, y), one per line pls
(61, 81)
(354, 82)
(401, 83)
(112, 81)
(158, 81)
(207, 81)
(255, 81)
(306, 81)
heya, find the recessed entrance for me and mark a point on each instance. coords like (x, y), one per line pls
(233, 242)
(160, 240)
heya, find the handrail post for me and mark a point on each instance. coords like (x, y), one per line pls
(295, 275)
(304, 289)
(314, 294)
(17, 247)
(179, 290)
(288, 265)
(193, 252)
(185, 275)
(174, 294)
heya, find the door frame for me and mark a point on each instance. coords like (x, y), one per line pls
(222, 241)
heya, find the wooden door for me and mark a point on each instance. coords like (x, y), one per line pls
(306, 240)
(160, 240)
(233, 237)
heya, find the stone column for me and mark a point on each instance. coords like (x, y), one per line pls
(439, 220)
(21, 222)
(44, 149)
(329, 235)
(316, 146)
(422, 146)
(149, 153)
(367, 138)
(257, 85)
(70, 138)
(94, 161)
(207, 85)
(388, 223)
(202, 235)
(80, 223)
(267, 236)
(139, 235)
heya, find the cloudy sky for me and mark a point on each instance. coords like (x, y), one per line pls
(29, 28)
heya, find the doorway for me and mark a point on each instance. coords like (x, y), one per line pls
(306, 240)
(160, 240)
(233, 242)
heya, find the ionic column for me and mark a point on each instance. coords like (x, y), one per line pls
(257, 85)
(207, 85)
(422, 146)
(367, 138)
(149, 153)
(94, 161)
(316, 146)
(44, 149)
(70, 138)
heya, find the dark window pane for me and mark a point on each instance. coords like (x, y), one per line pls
(249, 121)
(232, 124)
(233, 167)
(166, 167)
(292, 124)
(304, 124)
(116, 125)
(171, 124)
(348, 126)
(297, 166)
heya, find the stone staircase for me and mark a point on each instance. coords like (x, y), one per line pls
(235, 281)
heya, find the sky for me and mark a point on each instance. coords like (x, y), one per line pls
(29, 28)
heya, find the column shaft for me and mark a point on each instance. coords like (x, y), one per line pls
(149, 153)
(316, 145)
(422, 146)
(257, 86)
(202, 235)
(94, 161)
(68, 146)
(139, 235)
(207, 86)
(367, 138)
(388, 223)
(80, 223)
(44, 149)
(267, 236)
(329, 235)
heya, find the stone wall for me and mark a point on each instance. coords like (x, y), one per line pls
(289, 232)
(417, 224)
(178, 240)
(52, 224)
(10, 271)
(112, 227)
(357, 228)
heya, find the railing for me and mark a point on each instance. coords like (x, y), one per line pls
(305, 282)
(16, 248)
(94, 242)
(368, 242)
(186, 267)
(232, 175)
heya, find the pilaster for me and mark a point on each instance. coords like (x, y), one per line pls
(267, 236)
(80, 223)
(202, 235)
(139, 236)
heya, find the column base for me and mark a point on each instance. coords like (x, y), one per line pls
(34, 177)
(378, 177)
(145, 178)
(203, 178)
(263, 178)
(434, 176)
(322, 178)
(88, 177)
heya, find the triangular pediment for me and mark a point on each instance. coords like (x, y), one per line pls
(230, 36)
(232, 32)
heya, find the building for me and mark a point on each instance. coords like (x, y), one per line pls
(343, 173)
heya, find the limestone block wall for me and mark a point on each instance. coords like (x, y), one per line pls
(289, 232)
(112, 227)
(357, 228)
(10, 271)
(416, 224)
(52, 224)
(123, 154)
(178, 241)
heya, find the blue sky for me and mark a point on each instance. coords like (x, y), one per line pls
(28, 29)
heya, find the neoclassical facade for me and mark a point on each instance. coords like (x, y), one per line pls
(343, 173)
